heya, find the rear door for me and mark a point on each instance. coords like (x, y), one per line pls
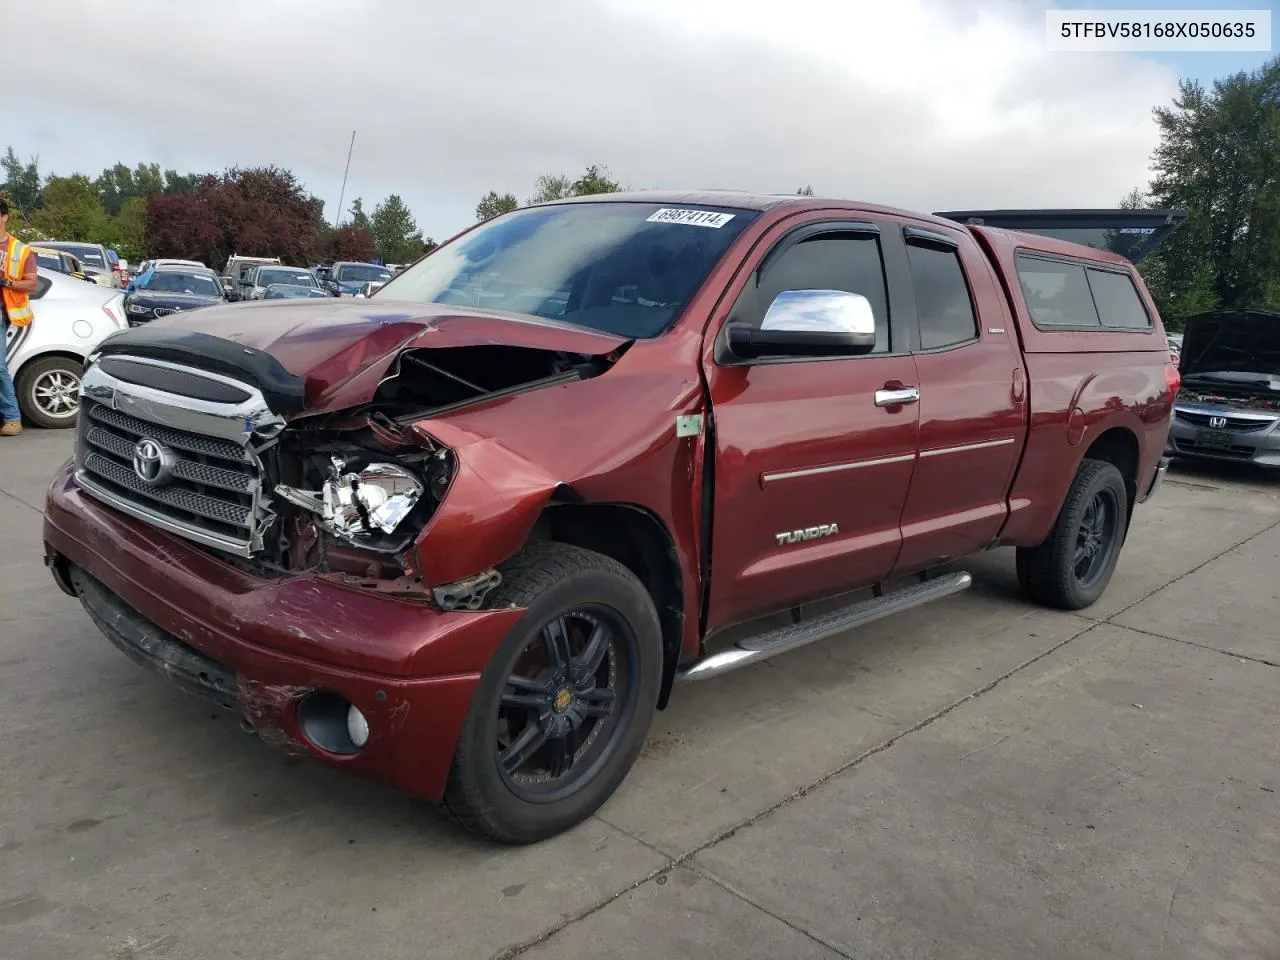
(973, 397)
(811, 469)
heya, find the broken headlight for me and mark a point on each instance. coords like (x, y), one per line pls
(374, 500)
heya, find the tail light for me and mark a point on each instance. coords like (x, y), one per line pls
(1172, 378)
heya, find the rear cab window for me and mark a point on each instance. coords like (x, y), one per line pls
(1067, 295)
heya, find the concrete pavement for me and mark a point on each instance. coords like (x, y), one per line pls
(977, 778)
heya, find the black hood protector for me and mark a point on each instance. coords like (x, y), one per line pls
(1244, 341)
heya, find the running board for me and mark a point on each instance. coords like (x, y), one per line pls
(795, 635)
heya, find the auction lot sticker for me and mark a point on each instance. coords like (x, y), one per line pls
(691, 218)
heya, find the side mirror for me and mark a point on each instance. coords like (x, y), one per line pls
(131, 287)
(807, 323)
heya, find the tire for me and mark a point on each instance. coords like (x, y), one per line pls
(1093, 519)
(529, 694)
(48, 392)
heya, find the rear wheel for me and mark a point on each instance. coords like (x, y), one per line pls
(1072, 568)
(563, 707)
(49, 391)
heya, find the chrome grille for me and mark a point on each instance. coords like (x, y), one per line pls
(186, 465)
(1237, 422)
(163, 311)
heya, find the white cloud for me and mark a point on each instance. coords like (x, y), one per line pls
(920, 103)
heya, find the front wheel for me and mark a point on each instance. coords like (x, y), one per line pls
(1072, 568)
(49, 391)
(563, 707)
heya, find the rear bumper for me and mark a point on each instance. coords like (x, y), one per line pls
(261, 647)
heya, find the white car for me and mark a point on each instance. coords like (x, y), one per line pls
(46, 357)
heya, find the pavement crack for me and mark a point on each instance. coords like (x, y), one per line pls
(1203, 646)
(734, 892)
(17, 499)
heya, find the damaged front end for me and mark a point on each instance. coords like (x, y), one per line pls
(223, 450)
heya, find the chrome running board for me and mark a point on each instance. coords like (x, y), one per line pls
(794, 635)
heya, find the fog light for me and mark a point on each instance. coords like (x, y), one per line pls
(357, 727)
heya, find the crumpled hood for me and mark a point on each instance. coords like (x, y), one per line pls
(338, 351)
(1235, 341)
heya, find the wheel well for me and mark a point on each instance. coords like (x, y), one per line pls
(48, 355)
(638, 540)
(1118, 446)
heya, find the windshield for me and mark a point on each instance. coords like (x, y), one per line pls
(176, 281)
(621, 268)
(359, 273)
(87, 254)
(297, 278)
(287, 291)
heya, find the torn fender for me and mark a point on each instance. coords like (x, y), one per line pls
(494, 500)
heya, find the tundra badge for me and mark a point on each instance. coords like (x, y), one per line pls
(808, 533)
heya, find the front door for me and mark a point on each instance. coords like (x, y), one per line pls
(812, 461)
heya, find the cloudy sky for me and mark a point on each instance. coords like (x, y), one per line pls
(927, 104)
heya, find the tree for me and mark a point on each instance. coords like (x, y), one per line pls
(70, 210)
(21, 182)
(349, 242)
(263, 211)
(493, 204)
(805, 191)
(396, 237)
(181, 184)
(359, 219)
(595, 179)
(550, 187)
(1219, 158)
(131, 229)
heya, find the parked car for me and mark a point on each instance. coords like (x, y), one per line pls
(345, 277)
(1229, 404)
(167, 289)
(468, 550)
(290, 291)
(258, 278)
(94, 259)
(46, 357)
(49, 259)
(167, 262)
(234, 272)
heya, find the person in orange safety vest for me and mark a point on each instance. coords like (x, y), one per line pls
(18, 279)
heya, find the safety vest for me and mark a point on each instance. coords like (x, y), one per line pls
(13, 261)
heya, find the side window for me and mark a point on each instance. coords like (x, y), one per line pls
(848, 262)
(1057, 293)
(942, 297)
(1117, 300)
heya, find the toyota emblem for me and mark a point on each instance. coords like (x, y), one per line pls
(1217, 422)
(151, 462)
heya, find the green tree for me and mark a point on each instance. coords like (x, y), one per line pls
(21, 182)
(550, 187)
(71, 210)
(595, 179)
(396, 237)
(493, 204)
(130, 229)
(1219, 158)
(805, 191)
(359, 219)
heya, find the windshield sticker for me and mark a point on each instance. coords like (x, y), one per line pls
(690, 218)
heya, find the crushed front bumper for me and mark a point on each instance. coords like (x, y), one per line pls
(261, 647)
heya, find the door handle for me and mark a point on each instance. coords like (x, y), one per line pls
(897, 398)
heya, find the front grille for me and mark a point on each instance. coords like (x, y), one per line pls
(206, 488)
(1236, 423)
(163, 311)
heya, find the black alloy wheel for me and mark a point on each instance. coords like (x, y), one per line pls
(560, 712)
(563, 706)
(1071, 569)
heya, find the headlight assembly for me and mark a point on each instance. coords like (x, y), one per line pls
(377, 499)
(369, 504)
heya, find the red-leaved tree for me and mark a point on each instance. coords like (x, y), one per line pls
(257, 212)
(349, 242)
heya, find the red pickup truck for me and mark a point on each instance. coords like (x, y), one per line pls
(463, 537)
